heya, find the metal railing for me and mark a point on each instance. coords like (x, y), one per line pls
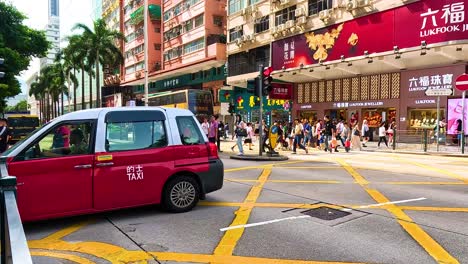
(14, 247)
(425, 140)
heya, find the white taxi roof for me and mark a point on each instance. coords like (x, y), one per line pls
(94, 113)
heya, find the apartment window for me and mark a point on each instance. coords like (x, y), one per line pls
(140, 66)
(129, 70)
(172, 33)
(262, 24)
(130, 37)
(157, 46)
(177, 9)
(199, 21)
(173, 53)
(138, 49)
(235, 33)
(236, 5)
(315, 6)
(218, 21)
(194, 46)
(247, 62)
(284, 15)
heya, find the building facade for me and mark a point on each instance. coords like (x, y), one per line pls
(186, 46)
(355, 59)
(52, 31)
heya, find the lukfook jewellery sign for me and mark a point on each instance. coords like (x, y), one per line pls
(450, 18)
(432, 82)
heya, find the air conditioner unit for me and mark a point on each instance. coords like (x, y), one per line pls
(238, 28)
(355, 4)
(284, 2)
(187, 5)
(274, 31)
(239, 42)
(325, 14)
(289, 24)
(301, 20)
(138, 74)
(299, 12)
(244, 11)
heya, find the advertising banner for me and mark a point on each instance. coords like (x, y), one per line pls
(281, 91)
(433, 21)
(454, 114)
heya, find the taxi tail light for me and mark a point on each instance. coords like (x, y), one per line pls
(212, 150)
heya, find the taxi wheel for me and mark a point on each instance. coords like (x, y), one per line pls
(181, 194)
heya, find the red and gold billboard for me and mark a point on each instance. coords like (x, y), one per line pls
(433, 21)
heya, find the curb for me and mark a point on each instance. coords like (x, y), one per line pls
(258, 158)
(421, 153)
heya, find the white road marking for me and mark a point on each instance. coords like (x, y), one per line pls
(380, 204)
(263, 223)
(307, 216)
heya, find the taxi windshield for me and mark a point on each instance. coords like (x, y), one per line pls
(8, 151)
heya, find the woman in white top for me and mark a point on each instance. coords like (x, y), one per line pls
(205, 126)
(250, 135)
(382, 135)
(365, 133)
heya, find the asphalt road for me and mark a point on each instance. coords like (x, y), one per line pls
(396, 209)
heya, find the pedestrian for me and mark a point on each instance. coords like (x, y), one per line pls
(4, 135)
(319, 134)
(220, 133)
(266, 131)
(307, 133)
(459, 131)
(391, 132)
(213, 130)
(250, 135)
(382, 135)
(365, 133)
(329, 132)
(205, 126)
(298, 135)
(241, 132)
(345, 136)
(356, 137)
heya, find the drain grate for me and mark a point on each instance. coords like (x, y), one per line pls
(326, 213)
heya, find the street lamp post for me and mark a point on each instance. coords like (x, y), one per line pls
(145, 33)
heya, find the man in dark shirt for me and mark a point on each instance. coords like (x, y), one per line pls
(329, 132)
(4, 135)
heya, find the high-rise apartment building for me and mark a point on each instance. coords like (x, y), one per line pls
(52, 33)
(186, 45)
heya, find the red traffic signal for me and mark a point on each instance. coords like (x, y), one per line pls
(267, 71)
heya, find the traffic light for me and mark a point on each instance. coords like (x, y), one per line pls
(231, 108)
(1, 73)
(252, 86)
(266, 81)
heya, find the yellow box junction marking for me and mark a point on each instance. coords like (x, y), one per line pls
(231, 237)
(69, 257)
(434, 169)
(418, 234)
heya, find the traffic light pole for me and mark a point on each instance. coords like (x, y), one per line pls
(260, 121)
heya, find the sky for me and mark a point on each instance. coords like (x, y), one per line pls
(71, 12)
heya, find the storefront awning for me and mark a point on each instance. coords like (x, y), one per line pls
(154, 12)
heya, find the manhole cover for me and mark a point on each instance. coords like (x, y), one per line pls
(325, 213)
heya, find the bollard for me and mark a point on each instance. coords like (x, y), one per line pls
(394, 139)
(425, 140)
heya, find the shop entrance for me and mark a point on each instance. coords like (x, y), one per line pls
(309, 115)
(375, 117)
(424, 118)
(338, 114)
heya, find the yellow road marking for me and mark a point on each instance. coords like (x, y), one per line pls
(231, 237)
(357, 177)
(425, 183)
(287, 181)
(203, 258)
(264, 166)
(418, 234)
(65, 232)
(310, 167)
(434, 209)
(56, 255)
(434, 169)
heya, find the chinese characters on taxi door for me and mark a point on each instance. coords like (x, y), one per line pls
(135, 173)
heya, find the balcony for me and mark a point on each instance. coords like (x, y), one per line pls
(137, 16)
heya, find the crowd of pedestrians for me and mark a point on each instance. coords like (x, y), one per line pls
(329, 135)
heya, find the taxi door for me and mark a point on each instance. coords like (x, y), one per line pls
(136, 161)
(52, 179)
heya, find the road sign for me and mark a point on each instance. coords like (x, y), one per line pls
(462, 82)
(438, 92)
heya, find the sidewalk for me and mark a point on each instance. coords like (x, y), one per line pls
(402, 148)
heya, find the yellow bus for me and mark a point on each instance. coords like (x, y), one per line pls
(20, 125)
(200, 102)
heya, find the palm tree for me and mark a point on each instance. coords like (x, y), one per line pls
(71, 59)
(38, 90)
(102, 47)
(77, 46)
(62, 69)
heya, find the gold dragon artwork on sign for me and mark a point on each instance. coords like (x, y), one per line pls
(321, 43)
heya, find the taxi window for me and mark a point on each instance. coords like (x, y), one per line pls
(65, 139)
(189, 131)
(121, 136)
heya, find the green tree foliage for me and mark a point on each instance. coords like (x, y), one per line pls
(18, 44)
(21, 106)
